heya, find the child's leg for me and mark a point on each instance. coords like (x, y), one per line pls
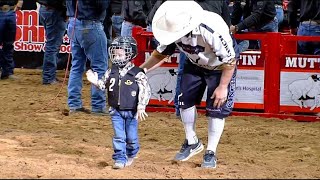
(132, 140)
(119, 138)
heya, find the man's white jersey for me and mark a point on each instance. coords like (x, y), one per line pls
(209, 45)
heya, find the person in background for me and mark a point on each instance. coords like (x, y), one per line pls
(280, 13)
(7, 36)
(308, 24)
(128, 103)
(29, 5)
(113, 21)
(135, 13)
(53, 17)
(88, 42)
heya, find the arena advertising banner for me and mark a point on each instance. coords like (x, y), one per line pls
(300, 84)
(249, 88)
(30, 42)
(30, 35)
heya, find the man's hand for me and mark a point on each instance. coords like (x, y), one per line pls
(92, 77)
(233, 29)
(220, 96)
(141, 114)
(18, 5)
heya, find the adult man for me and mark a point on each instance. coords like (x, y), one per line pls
(205, 39)
(135, 14)
(309, 23)
(88, 42)
(7, 36)
(53, 17)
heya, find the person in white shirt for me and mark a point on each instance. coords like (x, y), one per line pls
(205, 39)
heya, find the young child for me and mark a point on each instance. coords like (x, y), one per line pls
(128, 95)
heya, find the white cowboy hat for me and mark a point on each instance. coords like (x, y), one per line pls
(174, 19)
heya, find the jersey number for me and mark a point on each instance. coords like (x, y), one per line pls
(112, 82)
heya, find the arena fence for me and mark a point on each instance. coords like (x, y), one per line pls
(274, 81)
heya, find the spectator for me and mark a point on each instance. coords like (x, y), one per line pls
(280, 13)
(88, 42)
(113, 21)
(29, 5)
(135, 13)
(7, 36)
(309, 23)
(53, 17)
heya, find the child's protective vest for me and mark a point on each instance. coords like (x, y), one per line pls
(123, 93)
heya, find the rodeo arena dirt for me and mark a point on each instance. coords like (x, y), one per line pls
(46, 143)
(40, 140)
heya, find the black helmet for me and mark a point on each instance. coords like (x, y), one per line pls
(128, 45)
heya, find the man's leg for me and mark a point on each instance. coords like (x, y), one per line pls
(77, 68)
(117, 24)
(95, 47)
(55, 27)
(216, 117)
(8, 28)
(191, 92)
(182, 60)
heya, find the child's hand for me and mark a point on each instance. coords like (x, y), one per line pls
(141, 114)
(92, 77)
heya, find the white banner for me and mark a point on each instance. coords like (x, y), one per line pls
(249, 85)
(300, 89)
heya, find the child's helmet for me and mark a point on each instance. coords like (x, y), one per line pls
(128, 45)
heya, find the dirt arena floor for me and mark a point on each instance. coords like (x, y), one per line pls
(40, 142)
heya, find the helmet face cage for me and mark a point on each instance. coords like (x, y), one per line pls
(122, 50)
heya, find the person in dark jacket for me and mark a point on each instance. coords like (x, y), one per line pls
(113, 21)
(135, 13)
(128, 103)
(309, 23)
(53, 17)
(258, 16)
(254, 16)
(29, 5)
(7, 36)
(88, 42)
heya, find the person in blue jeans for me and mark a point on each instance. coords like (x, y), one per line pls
(306, 24)
(7, 36)
(52, 16)
(88, 42)
(128, 95)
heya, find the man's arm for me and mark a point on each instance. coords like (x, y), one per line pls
(158, 56)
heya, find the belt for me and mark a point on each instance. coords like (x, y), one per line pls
(311, 22)
(6, 8)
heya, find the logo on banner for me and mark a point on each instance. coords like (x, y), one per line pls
(305, 90)
(30, 35)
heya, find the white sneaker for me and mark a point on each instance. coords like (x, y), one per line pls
(129, 162)
(118, 165)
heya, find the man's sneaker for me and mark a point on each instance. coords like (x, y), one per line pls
(129, 161)
(209, 160)
(118, 165)
(187, 151)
